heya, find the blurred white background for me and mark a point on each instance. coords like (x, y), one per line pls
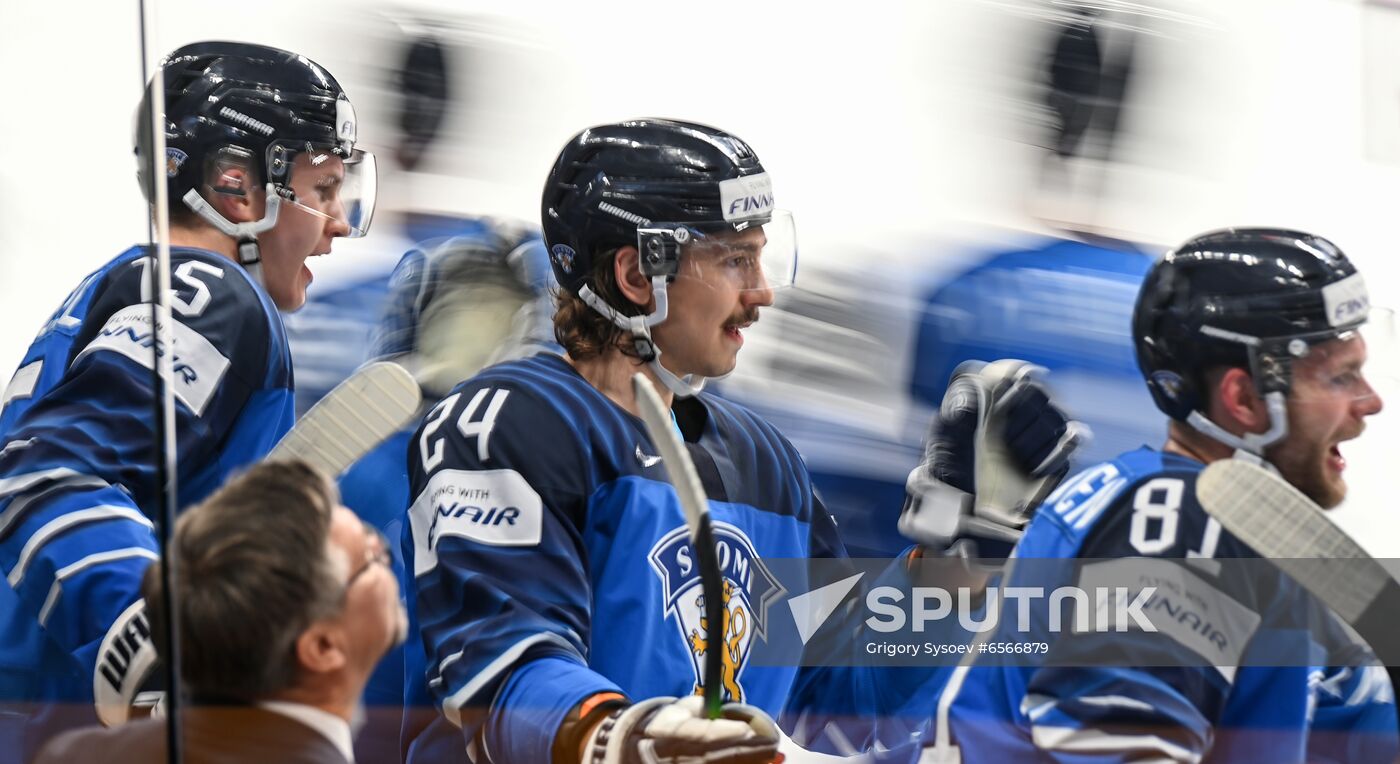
(883, 123)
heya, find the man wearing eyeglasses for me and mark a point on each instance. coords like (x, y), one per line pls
(286, 603)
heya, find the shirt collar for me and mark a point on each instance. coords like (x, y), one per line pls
(332, 727)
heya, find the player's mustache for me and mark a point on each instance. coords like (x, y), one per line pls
(748, 317)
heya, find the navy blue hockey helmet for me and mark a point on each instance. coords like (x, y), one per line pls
(257, 104)
(655, 184)
(1256, 298)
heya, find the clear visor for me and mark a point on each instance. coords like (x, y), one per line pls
(757, 255)
(1360, 367)
(337, 189)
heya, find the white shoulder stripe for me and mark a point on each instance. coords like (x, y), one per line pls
(452, 705)
(17, 507)
(28, 480)
(60, 524)
(1089, 740)
(1116, 701)
(91, 560)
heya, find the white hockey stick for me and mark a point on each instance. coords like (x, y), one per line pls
(369, 406)
(1281, 523)
(661, 428)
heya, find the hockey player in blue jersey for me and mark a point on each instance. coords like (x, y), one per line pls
(455, 305)
(1251, 341)
(263, 173)
(555, 592)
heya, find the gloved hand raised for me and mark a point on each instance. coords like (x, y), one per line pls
(996, 448)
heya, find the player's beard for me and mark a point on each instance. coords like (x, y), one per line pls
(1304, 465)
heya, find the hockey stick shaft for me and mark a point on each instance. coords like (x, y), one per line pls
(696, 507)
(1279, 522)
(352, 419)
(167, 493)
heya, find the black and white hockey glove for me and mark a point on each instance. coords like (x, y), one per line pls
(126, 680)
(667, 730)
(996, 448)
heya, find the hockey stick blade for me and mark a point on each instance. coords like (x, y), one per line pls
(369, 406)
(1279, 522)
(696, 507)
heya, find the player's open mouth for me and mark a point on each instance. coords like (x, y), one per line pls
(1335, 460)
(735, 331)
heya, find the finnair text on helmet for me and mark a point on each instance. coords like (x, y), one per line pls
(746, 197)
(1100, 609)
(749, 205)
(1346, 301)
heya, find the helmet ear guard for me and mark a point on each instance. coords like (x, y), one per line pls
(660, 251)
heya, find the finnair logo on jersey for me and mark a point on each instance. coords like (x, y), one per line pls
(483, 515)
(747, 197)
(491, 507)
(198, 365)
(749, 590)
(1347, 301)
(147, 339)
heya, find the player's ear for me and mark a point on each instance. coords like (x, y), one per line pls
(630, 281)
(231, 188)
(1237, 405)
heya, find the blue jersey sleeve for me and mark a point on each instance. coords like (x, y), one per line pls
(841, 701)
(77, 466)
(502, 588)
(1116, 697)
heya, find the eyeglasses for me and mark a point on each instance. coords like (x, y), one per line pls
(376, 551)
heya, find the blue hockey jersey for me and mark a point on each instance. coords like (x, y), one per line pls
(1195, 692)
(77, 455)
(550, 558)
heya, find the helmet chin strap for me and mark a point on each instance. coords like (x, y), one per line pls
(1254, 442)
(246, 234)
(640, 327)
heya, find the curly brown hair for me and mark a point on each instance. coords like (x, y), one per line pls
(583, 331)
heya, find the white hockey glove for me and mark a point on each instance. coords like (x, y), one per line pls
(996, 448)
(666, 730)
(126, 680)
